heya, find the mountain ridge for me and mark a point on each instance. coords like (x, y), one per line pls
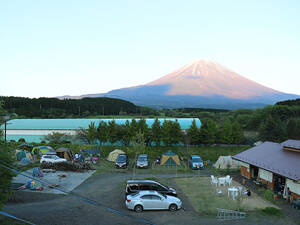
(201, 83)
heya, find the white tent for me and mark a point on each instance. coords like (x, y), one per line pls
(114, 155)
(226, 162)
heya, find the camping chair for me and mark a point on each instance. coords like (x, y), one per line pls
(227, 180)
(214, 180)
(222, 181)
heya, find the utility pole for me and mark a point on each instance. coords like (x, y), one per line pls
(5, 130)
(6, 118)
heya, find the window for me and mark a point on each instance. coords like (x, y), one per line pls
(155, 197)
(134, 187)
(157, 187)
(148, 197)
(144, 187)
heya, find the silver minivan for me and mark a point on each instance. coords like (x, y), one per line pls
(142, 161)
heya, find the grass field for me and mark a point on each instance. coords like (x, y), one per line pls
(205, 200)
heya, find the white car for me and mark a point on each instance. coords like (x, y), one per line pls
(51, 159)
(152, 200)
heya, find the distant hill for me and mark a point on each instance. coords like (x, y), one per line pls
(56, 108)
(295, 102)
(202, 84)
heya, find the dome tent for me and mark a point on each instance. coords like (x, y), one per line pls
(169, 159)
(42, 150)
(20, 154)
(226, 162)
(114, 155)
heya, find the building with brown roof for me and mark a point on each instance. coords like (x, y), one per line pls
(276, 165)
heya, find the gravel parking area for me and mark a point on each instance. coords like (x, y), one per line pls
(108, 191)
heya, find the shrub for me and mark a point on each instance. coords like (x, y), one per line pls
(22, 140)
(272, 211)
(268, 195)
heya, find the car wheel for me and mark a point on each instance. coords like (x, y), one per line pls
(173, 207)
(138, 208)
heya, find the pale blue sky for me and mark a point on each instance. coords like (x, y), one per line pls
(52, 48)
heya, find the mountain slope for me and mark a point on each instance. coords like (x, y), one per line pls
(202, 83)
(207, 78)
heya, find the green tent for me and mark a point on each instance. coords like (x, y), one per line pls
(169, 159)
(20, 155)
(42, 149)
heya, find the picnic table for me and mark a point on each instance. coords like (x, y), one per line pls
(233, 191)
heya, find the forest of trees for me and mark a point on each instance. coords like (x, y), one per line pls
(271, 123)
(67, 108)
(168, 133)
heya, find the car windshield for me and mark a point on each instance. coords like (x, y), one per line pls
(196, 160)
(142, 158)
(121, 158)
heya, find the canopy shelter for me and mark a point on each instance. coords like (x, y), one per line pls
(42, 149)
(114, 155)
(65, 153)
(25, 146)
(169, 159)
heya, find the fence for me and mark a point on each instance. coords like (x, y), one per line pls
(225, 214)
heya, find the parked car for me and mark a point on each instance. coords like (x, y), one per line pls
(152, 200)
(121, 161)
(142, 161)
(134, 186)
(51, 159)
(196, 162)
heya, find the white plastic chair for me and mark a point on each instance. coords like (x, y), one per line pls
(230, 181)
(214, 180)
(222, 181)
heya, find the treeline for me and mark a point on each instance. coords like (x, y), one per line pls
(168, 133)
(67, 108)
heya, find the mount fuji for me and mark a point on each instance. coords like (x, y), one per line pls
(203, 84)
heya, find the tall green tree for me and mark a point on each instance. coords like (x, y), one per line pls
(144, 129)
(193, 134)
(226, 132)
(237, 133)
(208, 132)
(6, 159)
(125, 133)
(113, 132)
(171, 133)
(156, 132)
(92, 133)
(58, 138)
(273, 129)
(293, 128)
(2, 114)
(102, 132)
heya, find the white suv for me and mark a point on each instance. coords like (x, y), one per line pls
(51, 159)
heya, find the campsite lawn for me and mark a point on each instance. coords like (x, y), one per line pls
(202, 194)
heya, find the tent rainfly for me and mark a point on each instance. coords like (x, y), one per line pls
(169, 159)
(65, 153)
(226, 162)
(114, 155)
